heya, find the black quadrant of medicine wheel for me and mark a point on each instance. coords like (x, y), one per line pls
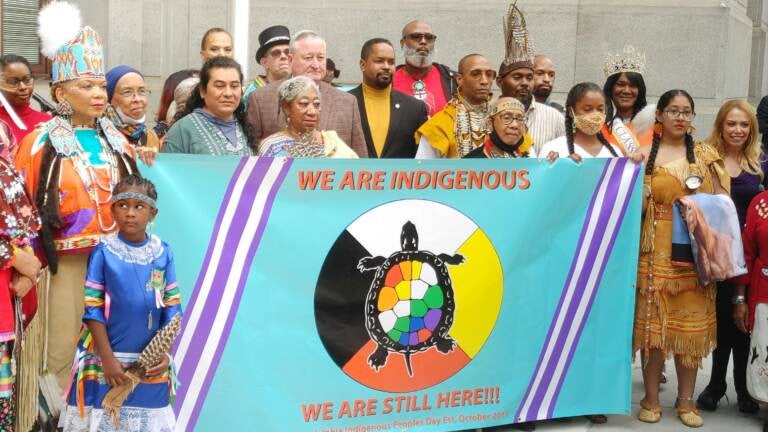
(340, 300)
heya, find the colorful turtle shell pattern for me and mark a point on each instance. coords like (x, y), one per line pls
(410, 303)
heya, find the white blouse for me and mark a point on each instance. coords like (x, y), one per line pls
(560, 145)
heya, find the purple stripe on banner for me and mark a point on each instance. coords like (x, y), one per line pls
(222, 343)
(578, 292)
(609, 250)
(591, 208)
(216, 227)
(239, 220)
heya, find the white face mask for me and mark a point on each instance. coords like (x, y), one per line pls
(128, 120)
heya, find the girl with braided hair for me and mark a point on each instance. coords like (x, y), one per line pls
(674, 313)
(131, 293)
(584, 117)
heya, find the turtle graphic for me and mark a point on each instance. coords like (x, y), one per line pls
(410, 304)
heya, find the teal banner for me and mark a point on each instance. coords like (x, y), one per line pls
(377, 295)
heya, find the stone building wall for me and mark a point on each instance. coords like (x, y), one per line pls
(716, 49)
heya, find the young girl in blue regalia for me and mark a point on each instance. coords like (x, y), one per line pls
(130, 294)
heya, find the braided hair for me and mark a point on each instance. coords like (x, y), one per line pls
(663, 103)
(47, 197)
(574, 96)
(136, 180)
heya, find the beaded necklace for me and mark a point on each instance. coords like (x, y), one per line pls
(307, 145)
(471, 125)
(90, 178)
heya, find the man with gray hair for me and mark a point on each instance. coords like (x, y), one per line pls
(339, 113)
(420, 77)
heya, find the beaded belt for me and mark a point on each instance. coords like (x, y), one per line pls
(80, 242)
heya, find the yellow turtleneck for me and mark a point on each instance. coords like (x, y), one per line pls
(377, 111)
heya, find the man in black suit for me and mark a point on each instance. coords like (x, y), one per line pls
(389, 118)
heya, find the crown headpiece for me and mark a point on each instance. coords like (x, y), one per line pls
(629, 60)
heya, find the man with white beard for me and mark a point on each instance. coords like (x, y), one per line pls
(420, 77)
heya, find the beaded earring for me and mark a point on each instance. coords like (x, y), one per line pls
(64, 108)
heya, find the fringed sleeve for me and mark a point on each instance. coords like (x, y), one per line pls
(171, 294)
(96, 297)
(709, 158)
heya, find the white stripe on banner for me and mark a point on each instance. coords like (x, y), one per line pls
(623, 195)
(226, 301)
(192, 316)
(581, 257)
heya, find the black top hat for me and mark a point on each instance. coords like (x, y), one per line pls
(272, 36)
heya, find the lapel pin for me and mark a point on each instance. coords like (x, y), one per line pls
(397, 106)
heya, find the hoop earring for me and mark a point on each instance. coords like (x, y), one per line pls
(692, 131)
(64, 108)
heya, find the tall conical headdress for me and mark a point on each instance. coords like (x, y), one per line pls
(75, 52)
(517, 42)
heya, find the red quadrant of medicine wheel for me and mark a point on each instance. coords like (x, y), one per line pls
(429, 367)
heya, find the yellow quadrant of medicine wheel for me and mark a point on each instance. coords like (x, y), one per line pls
(478, 287)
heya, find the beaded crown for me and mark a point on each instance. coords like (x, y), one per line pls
(629, 60)
(74, 51)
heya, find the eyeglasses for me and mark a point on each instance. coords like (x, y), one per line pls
(675, 114)
(508, 119)
(416, 37)
(129, 94)
(277, 53)
(27, 80)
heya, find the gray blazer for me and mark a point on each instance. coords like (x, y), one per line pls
(339, 113)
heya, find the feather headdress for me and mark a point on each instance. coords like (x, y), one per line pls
(517, 42)
(75, 51)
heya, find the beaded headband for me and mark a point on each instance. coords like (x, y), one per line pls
(506, 104)
(134, 195)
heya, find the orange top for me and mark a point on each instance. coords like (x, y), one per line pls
(84, 223)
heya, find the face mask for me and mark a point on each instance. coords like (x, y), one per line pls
(590, 123)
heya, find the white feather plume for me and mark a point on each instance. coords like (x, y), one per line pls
(644, 120)
(57, 23)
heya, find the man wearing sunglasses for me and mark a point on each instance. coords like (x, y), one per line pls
(272, 55)
(420, 76)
